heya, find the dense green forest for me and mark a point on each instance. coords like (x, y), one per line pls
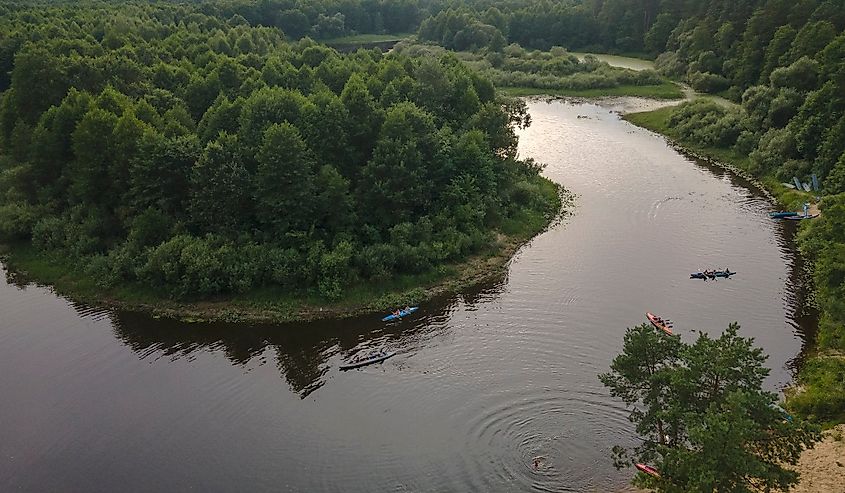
(199, 155)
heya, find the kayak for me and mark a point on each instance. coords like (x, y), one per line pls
(376, 358)
(658, 322)
(712, 275)
(402, 313)
(782, 214)
(648, 470)
(798, 217)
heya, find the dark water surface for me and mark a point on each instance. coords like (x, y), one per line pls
(483, 383)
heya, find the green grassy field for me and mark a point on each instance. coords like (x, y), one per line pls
(366, 38)
(666, 90)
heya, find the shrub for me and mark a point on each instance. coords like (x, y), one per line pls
(746, 142)
(707, 82)
(823, 397)
(16, 221)
(776, 145)
(48, 234)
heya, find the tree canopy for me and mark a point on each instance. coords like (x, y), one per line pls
(705, 422)
(190, 148)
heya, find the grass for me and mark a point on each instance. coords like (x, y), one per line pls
(366, 38)
(667, 90)
(821, 397)
(275, 304)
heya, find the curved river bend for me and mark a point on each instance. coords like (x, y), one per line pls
(483, 383)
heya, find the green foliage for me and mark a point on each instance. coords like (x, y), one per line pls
(220, 188)
(195, 153)
(708, 82)
(16, 221)
(284, 182)
(707, 122)
(822, 393)
(801, 75)
(705, 422)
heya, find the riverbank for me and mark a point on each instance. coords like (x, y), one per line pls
(658, 121)
(822, 468)
(818, 392)
(274, 305)
(667, 90)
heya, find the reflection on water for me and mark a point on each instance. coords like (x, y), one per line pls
(485, 384)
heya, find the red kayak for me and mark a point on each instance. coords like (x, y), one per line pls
(658, 322)
(648, 470)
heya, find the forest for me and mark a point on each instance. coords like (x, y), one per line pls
(198, 155)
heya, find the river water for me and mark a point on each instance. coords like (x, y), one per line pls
(484, 382)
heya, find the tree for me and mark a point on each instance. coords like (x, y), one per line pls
(284, 182)
(39, 79)
(705, 421)
(93, 147)
(396, 183)
(363, 128)
(220, 189)
(160, 174)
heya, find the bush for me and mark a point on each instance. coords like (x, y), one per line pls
(746, 142)
(707, 82)
(334, 271)
(670, 64)
(188, 266)
(16, 221)
(834, 183)
(708, 123)
(823, 397)
(801, 75)
(776, 145)
(48, 234)
(150, 228)
(285, 267)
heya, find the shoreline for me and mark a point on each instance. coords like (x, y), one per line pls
(726, 159)
(27, 266)
(821, 466)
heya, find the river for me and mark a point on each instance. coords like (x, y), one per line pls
(484, 381)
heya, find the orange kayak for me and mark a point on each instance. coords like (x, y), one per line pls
(648, 470)
(658, 322)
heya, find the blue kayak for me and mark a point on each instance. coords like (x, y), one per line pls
(778, 215)
(402, 313)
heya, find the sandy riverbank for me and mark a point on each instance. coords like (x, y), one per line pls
(822, 468)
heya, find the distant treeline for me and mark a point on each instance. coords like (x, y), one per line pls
(193, 153)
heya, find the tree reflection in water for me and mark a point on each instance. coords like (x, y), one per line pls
(302, 350)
